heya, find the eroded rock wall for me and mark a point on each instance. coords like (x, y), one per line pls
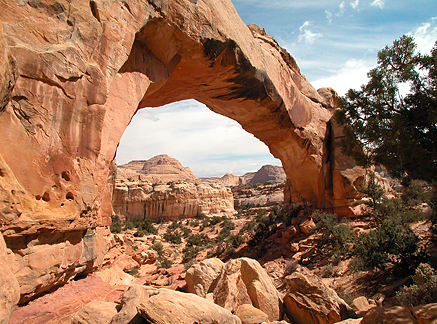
(73, 74)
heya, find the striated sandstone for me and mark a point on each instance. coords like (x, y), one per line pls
(74, 73)
(172, 201)
(98, 311)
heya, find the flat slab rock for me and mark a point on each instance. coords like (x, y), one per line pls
(60, 305)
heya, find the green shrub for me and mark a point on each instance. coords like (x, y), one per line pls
(163, 262)
(172, 236)
(115, 224)
(159, 248)
(422, 291)
(393, 242)
(190, 252)
(198, 240)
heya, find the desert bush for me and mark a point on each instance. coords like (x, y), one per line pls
(422, 291)
(198, 240)
(172, 236)
(292, 212)
(186, 232)
(235, 240)
(163, 262)
(372, 189)
(190, 252)
(413, 193)
(392, 242)
(334, 231)
(159, 248)
(115, 224)
(264, 227)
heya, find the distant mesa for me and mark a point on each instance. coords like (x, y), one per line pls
(158, 169)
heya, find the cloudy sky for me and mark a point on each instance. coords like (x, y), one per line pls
(334, 43)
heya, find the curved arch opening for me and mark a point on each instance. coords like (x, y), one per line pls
(210, 144)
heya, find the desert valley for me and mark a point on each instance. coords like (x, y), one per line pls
(332, 236)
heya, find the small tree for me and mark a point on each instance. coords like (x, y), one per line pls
(382, 125)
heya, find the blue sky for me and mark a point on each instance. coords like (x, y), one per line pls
(335, 44)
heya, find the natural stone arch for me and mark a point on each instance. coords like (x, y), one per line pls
(73, 74)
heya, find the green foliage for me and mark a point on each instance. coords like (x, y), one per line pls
(198, 240)
(293, 212)
(163, 262)
(144, 227)
(115, 224)
(396, 130)
(190, 252)
(372, 189)
(172, 236)
(334, 231)
(424, 289)
(159, 248)
(391, 242)
(264, 228)
(135, 272)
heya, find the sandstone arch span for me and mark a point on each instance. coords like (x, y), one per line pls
(73, 74)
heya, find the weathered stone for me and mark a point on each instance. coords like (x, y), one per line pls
(423, 314)
(249, 314)
(309, 301)
(10, 289)
(241, 281)
(201, 276)
(98, 311)
(361, 305)
(162, 306)
(269, 173)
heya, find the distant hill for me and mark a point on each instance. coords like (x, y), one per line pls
(160, 168)
(267, 173)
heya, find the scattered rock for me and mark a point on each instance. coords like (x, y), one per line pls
(424, 314)
(361, 305)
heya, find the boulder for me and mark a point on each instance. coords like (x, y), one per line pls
(251, 315)
(310, 301)
(163, 306)
(200, 277)
(243, 281)
(96, 312)
(361, 305)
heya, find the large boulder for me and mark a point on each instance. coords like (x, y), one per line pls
(201, 276)
(240, 281)
(98, 311)
(163, 306)
(310, 301)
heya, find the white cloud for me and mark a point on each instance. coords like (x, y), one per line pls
(352, 75)
(329, 16)
(208, 143)
(342, 8)
(355, 4)
(307, 36)
(425, 36)
(379, 3)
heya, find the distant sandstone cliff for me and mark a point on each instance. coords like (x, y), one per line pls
(162, 187)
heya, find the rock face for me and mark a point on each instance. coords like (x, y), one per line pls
(269, 173)
(172, 201)
(310, 301)
(235, 283)
(74, 73)
(10, 289)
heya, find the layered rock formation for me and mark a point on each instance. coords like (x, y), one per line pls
(73, 74)
(162, 188)
(172, 201)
